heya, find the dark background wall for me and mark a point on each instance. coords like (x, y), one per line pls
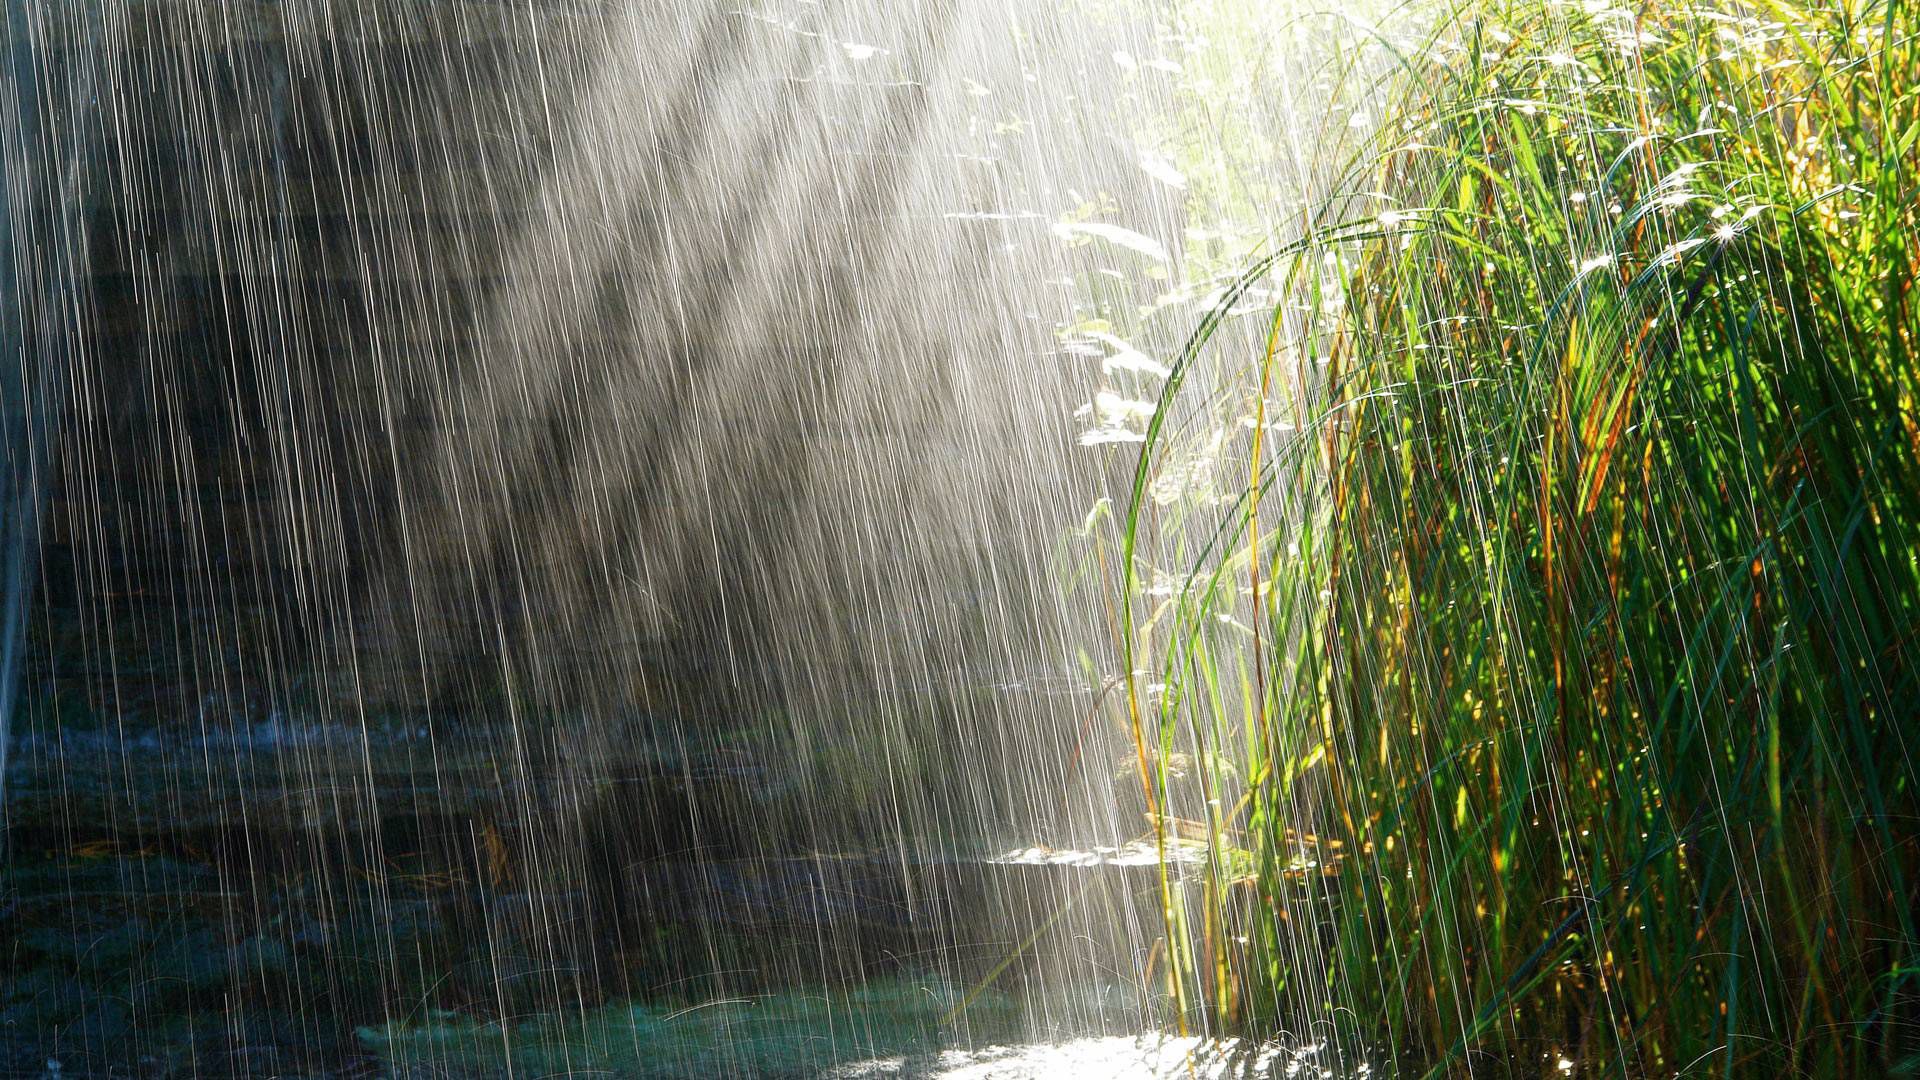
(310, 227)
(378, 600)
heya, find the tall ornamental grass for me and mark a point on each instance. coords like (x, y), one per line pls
(1549, 678)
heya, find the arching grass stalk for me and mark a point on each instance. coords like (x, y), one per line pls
(1566, 716)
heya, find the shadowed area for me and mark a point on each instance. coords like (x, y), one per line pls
(568, 504)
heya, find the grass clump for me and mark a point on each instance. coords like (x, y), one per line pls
(1557, 659)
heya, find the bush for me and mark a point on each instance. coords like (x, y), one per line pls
(1587, 579)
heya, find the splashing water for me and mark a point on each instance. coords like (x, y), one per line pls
(922, 538)
(555, 537)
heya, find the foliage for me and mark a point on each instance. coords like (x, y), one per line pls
(1570, 599)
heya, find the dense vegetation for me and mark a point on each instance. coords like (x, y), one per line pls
(1573, 726)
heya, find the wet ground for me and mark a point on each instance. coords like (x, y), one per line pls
(297, 902)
